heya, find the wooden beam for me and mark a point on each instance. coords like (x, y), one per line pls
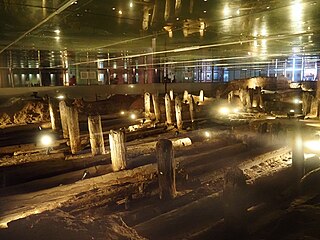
(37, 202)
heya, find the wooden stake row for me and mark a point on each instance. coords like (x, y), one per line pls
(187, 98)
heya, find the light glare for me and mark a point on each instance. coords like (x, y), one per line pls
(133, 116)
(46, 140)
(313, 145)
(224, 110)
(60, 97)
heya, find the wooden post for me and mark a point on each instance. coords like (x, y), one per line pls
(318, 98)
(96, 136)
(298, 155)
(178, 113)
(168, 109)
(64, 118)
(147, 105)
(185, 96)
(171, 95)
(201, 96)
(235, 203)
(156, 106)
(251, 94)
(74, 131)
(117, 150)
(192, 110)
(53, 115)
(166, 169)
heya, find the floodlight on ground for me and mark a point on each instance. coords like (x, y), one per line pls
(224, 110)
(46, 140)
(207, 134)
(313, 145)
(133, 116)
(297, 101)
(61, 97)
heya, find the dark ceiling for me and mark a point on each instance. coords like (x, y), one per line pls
(178, 31)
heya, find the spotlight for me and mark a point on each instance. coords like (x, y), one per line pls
(313, 145)
(122, 112)
(236, 110)
(207, 134)
(46, 140)
(224, 110)
(297, 101)
(133, 116)
(60, 97)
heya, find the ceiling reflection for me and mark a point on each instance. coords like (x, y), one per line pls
(39, 33)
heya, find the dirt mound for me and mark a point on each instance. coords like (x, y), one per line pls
(5, 120)
(32, 112)
(137, 104)
(112, 105)
(23, 112)
(59, 225)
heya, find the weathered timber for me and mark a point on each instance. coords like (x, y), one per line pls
(298, 161)
(96, 136)
(53, 115)
(74, 131)
(185, 98)
(166, 169)
(201, 96)
(147, 105)
(171, 95)
(168, 109)
(46, 166)
(235, 203)
(64, 118)
(178, 110)
(192, 110)
(177, 221)
(156, 107)
(117, 150)
(61, 179)
(27, 148)
(44, 200)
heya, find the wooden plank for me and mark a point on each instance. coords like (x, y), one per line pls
(23, 205)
